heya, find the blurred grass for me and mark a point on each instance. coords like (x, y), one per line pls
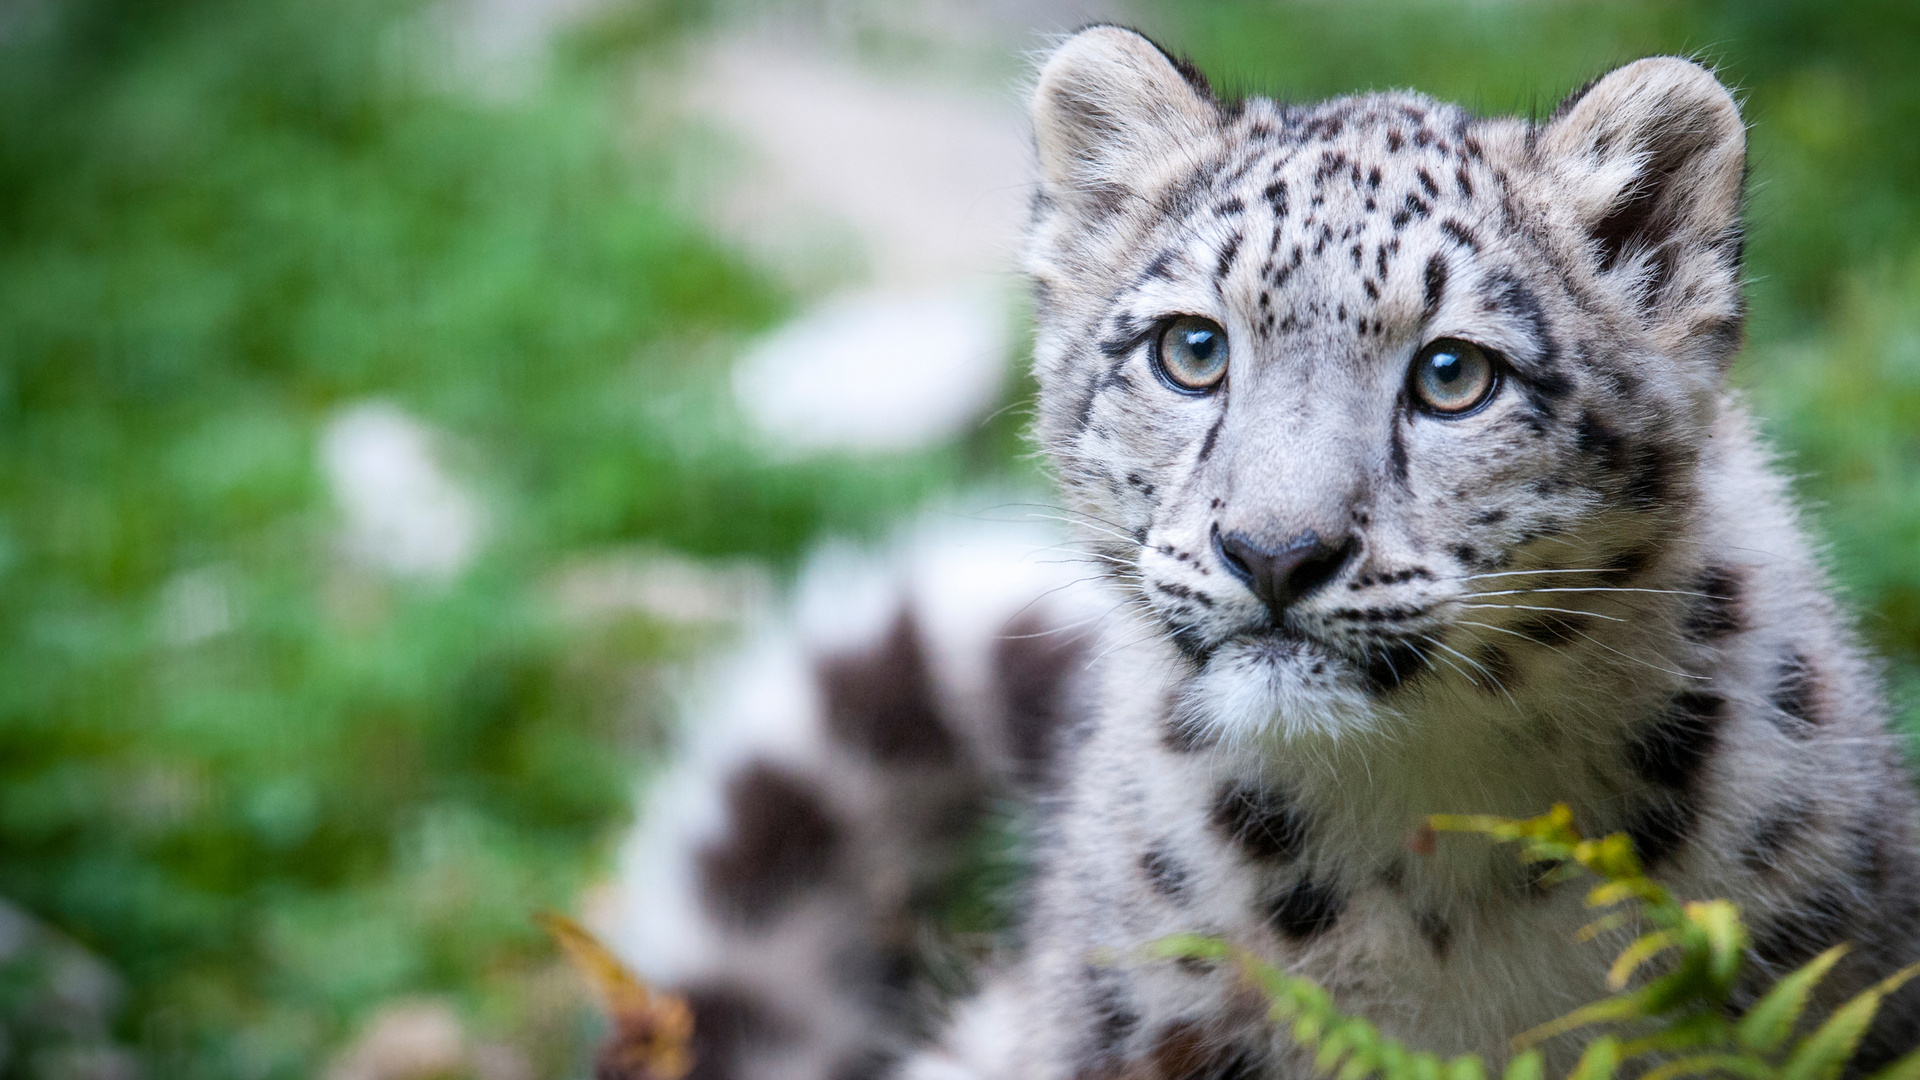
(223, 221)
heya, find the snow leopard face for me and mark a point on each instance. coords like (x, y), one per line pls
(1323, 379)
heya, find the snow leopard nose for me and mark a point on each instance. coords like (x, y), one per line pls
(1281, 575)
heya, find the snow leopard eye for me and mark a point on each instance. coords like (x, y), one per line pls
(1191, 354)
(1451, 377)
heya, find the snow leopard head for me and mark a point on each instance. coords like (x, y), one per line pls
(1316, 376)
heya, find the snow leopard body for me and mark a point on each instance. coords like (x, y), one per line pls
(1590, 588)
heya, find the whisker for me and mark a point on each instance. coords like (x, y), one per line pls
(1600, 589)
(1561, 611)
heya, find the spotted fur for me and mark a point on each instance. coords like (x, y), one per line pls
(1593, 589)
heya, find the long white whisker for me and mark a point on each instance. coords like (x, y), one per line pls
(1532, 607)
(1598, 589)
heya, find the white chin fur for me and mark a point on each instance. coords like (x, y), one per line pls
(1255, 688)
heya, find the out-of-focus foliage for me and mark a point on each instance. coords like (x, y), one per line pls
(270, 786)
(274, 788)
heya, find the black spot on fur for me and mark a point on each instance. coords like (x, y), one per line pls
(1460, 234)
(1213, 436)
(1647, 486)
(1818, 922)
(1773, 833)
(1259, 819)
(1716, 612)
(1426, 183)
(1463, 182)
(1497, 663)
(1394, 665)
(1164, 872)
(1436, 929)
(881, 702)
(1436, 286)
(781, 841)
(1184, 1050)
(1796, 696)
(727, 1022)
(1670, 755)
(1111, 1018)
(1552, 629)
(1306, 910)
(1598, 441)
(1671, 752)
(1227, 253)
(1276, 196)
(1658, 827)
(1183, 735)
(1032, 662)
(1397, 451)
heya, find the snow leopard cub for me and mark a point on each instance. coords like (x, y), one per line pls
(1405, 434)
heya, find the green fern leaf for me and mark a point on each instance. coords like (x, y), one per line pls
(1599, 1062)
(1527, 1066)
(1712, 1065)
(1767, 1025)
(1821, 1055)
(1646, 948)
(1719, 920)
(1466, 1067)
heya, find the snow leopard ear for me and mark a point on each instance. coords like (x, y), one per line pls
(1113, 116)
(1649, 161)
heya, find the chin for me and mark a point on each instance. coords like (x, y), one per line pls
(1261, 686)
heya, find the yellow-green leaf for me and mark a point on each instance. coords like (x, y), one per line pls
(1720, 921)
(1821, 1055)
(1599, 1062)
(1466, 1067)
(1631, 957)
(1623, 1007)
(1526, 1066)
(1772, 1018)
(1710, 1064)
(1190, 947)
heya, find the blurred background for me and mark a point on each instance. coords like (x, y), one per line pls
(396, 395)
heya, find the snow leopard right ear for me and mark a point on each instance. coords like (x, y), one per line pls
(1114, 117)
(1649, 162)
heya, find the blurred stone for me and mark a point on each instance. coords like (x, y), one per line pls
(406, 1040)
(877, 372)
(196, 606)
(404, 514)
(661, 585)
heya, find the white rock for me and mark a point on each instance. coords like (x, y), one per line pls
(404, 514)
(877, 372)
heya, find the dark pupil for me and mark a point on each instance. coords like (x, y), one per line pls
(1200, 344)
(1447, 368)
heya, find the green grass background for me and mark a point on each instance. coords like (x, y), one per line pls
(223, 220)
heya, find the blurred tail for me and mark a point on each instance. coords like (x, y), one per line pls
(784, 873)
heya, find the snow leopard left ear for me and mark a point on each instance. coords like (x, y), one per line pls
(1114, 117)
(1649, 161)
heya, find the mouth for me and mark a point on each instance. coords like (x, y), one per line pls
(1381, 665)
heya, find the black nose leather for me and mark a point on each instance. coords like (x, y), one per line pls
(1281, 576)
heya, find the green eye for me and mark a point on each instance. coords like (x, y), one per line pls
(1192, 354)
(1451, 377)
